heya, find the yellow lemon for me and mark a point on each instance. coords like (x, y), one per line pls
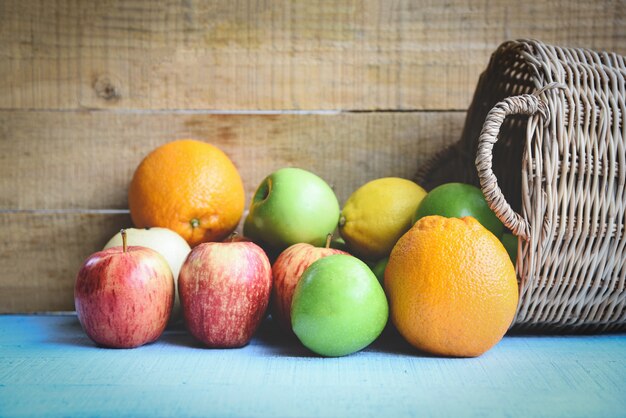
(377, 214)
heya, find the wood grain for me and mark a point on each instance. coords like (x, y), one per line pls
(270, 54)
(62, 173)
(89, 88)
(41, 254)
(85, 160)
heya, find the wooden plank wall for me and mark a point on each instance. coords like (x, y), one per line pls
(352, 90)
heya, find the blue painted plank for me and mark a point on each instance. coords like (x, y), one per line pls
(48, 367)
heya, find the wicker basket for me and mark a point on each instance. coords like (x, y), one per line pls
(556, 178)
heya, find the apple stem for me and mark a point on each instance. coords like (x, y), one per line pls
(123, 232)
(231, 237)
(329, 238)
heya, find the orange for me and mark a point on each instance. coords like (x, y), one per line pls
(451, 286)
(190, 187)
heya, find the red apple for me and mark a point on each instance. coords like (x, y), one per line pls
(224, 290)
(286, 272)
(124, 296)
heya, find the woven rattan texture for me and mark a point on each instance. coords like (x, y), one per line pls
(556, 177)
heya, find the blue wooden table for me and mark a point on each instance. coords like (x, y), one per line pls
(48, 367)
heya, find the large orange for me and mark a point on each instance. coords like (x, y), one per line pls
(190, 187)
(451, 286)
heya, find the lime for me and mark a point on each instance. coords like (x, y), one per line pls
(379, 269)
(510, 243)
(457, 200)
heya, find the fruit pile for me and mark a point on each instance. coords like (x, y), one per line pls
(434, 263)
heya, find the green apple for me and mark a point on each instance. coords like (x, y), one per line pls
(338, 306)
(166, 242)
(291, 206)
(457, 200)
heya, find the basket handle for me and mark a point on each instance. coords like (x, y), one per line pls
(525, 104)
